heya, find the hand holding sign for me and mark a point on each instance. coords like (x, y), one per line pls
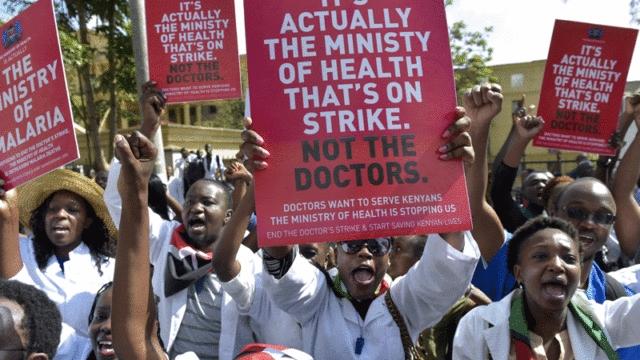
(252, 148)
(459, 144)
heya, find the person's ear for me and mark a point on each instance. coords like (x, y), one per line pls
(37, 356)
(516, 273)
(227, 216)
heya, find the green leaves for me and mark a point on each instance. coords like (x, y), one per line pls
(470, 53)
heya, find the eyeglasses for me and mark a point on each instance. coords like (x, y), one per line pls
(377, 247)
(581, 214)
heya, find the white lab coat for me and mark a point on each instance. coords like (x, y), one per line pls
(331, 325)
(72, 290)
(269, 323)
(235, 331)
(484, 330)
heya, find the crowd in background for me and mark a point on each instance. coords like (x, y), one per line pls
(127, 266)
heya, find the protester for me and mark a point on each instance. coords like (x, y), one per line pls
(437, 342)
(30, 324)
(318, 253)
(356, 314)
(101, 178)
(552, 191)
(135, 318)
(69, 254)
(268, 323)
(628, 217)
(405, 252)
(513, 214)
(195, 314)
(586, 203)
(584, 167)
(548, 317)
(100, 324)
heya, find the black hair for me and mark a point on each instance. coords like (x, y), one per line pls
(100, 292)
(222, 186)
(157, 197)
(531, 227)
(106, 287)
(96, 236)
(42, 321)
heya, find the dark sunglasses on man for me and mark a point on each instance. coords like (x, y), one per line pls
(377, 247)
(581, 214)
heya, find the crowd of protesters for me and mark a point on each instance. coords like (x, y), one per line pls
(130, 267)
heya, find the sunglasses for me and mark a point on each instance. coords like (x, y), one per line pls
(377, 247)
(580, 214)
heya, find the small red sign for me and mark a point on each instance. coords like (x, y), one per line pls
(193, 49)
(36, 131)
(583, 86)
(352, 98)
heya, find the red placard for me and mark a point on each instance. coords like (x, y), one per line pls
(193, 49)
(36, 128)
(352, 98)
(583, 86)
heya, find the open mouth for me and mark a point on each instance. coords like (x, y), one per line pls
(60, 229)
(587, 238)
(555, 289)
(105, 348)
(196, 224)
(363, 275)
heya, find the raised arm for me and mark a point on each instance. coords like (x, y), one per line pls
(627, 223)
(482, 104)
(240, 183)
(444, 272)
(10, 260)
(134, 316)
(526, 128)
(256, 157)
(296, 286)
(224, 262)
(153, 105)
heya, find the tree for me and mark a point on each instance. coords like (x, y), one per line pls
(470, 53)
(100, 75)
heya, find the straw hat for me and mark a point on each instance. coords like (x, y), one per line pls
(32, 194)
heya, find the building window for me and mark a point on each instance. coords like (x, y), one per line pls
(517, 80)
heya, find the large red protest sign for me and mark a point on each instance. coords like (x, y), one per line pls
(352, 98)
(583, 86)
(193, 49)
(36, 127)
